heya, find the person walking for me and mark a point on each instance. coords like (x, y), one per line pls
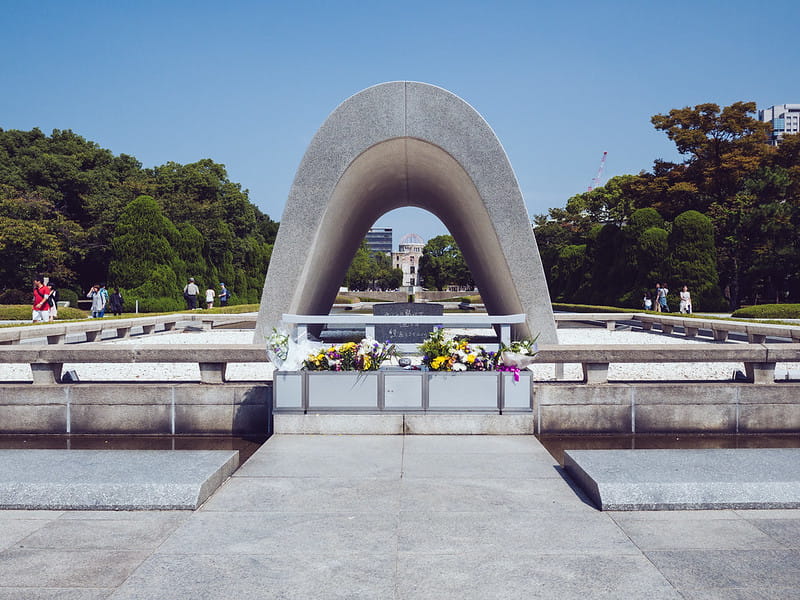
(210, 293)
(52, 300)
(686, 301)
(98, 302)
(41, 309)
(662, 298)
(657, 297)
(190, 292)
(104, 294)
(224, 294)
(115, 302)
(647, 301)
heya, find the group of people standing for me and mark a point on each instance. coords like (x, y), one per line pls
(101, 300)
(191, 292)
(659, 299)
(45, 297)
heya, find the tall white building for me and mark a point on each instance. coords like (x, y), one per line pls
(407, 259)
(784, 118)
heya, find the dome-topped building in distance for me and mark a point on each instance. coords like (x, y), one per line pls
(407, 258)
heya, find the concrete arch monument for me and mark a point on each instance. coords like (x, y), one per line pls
(405, 144)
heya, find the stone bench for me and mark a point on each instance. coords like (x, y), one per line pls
(47, 362)
(610, 319)
(756, 332)
(759, 360)
(94, 328)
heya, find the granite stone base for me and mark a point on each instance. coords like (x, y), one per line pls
(408, 424)
(112, 479)
(688, 479)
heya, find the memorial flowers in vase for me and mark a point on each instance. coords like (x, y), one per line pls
(517, 356)
(442, 352)
(367, 355)
(277, 346)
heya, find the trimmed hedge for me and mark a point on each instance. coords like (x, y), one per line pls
(230, 310)
(586, 308)
(346, 300)
(769, 311)
(22, 312)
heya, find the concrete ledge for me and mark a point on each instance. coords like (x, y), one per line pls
(144, 408)
(469, 424)
(688, 479)
(112, 479)
(350, 424)
(409, 424)
(659, 407)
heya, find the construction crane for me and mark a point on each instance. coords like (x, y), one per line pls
(596, 180)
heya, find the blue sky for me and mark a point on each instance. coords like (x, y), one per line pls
(248, 83)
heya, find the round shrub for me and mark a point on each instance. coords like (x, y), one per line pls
(769, 311)
(68, 295)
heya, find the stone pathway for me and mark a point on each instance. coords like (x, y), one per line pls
(401, 517)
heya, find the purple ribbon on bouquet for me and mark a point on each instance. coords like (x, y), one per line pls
(514, 370)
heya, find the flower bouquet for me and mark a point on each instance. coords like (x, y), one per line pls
(442, 352)
(519, 355)
(368, 355)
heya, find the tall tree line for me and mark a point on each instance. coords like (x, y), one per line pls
(78, 213)
(723, 221)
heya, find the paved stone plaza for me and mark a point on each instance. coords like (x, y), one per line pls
(400, 517)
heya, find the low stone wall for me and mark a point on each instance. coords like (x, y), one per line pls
(137, 408)
(660, 407)
(246, 409)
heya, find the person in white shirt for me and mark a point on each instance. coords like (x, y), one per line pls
(210, 293)
(190, 292)
(686, 301)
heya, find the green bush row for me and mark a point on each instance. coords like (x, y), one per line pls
(22, 312)
(586, 308)
(769, 311)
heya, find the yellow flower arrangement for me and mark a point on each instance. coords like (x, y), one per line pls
(351, 356)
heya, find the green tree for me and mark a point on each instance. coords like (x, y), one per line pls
(34, 238)
(359, 274)
(144, 260)
(693, 260)
(442, 264)
(569, 274)
(653, 248)
(723, 147)
(372, 271)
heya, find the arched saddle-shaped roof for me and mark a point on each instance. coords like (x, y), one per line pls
(405, 144)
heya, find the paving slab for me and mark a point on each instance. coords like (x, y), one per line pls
(96, 534)
(526, 577)
(497, 534)
(306, 495)
(719, 570)
(263, 576)
(441, 465)
(688, 479)
(37, 567)
(284, 534)
(54, 593)
(112, 479)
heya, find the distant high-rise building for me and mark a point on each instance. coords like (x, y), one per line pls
(379, 239)
(784, 118)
